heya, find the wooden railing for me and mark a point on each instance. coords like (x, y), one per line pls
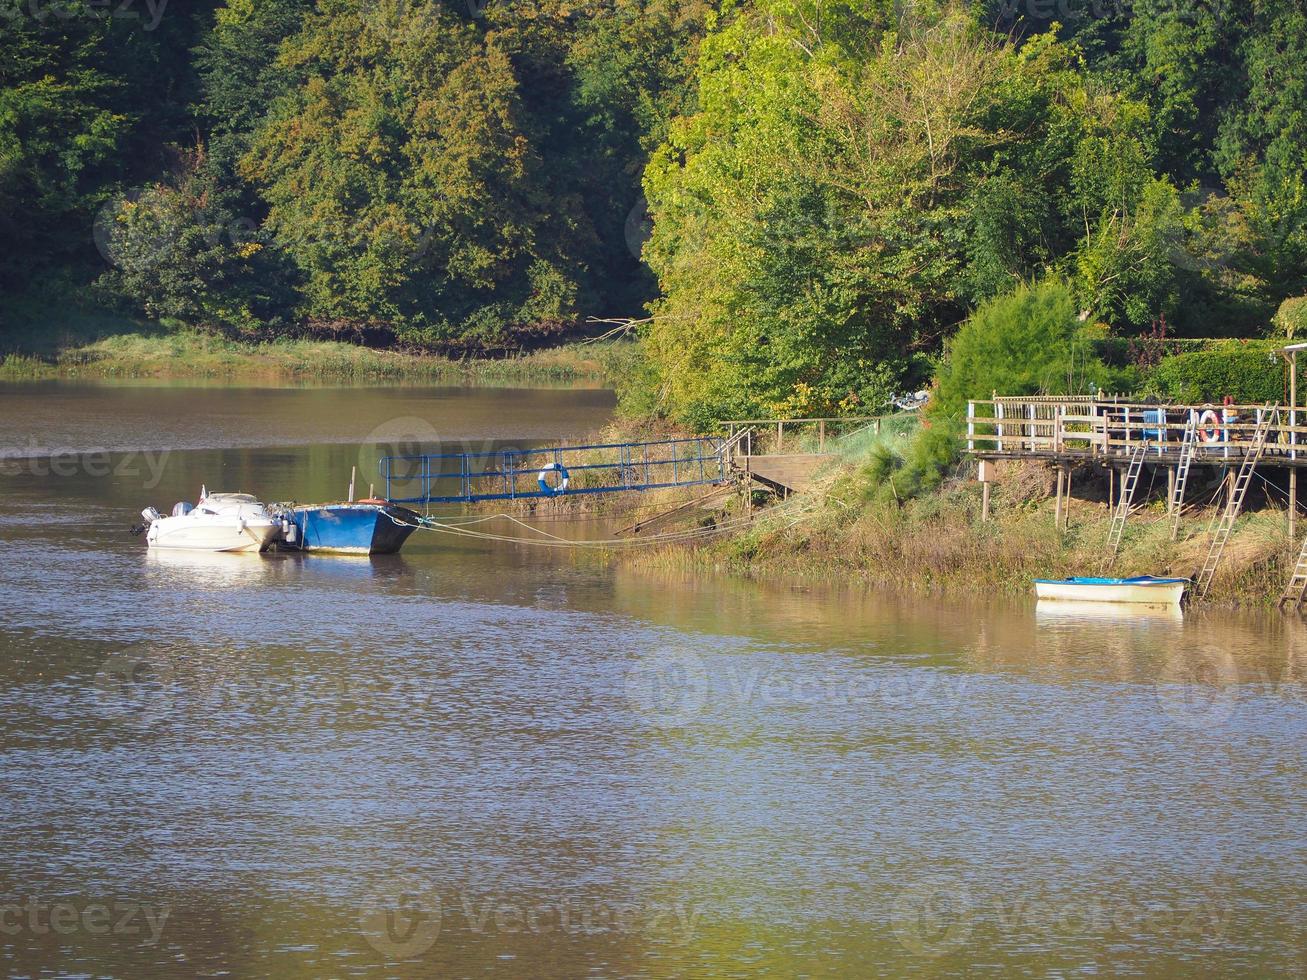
(1075, 426)
(820, 427)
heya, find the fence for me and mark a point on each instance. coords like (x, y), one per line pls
(522, 474)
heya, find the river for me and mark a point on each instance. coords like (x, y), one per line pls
(481, 759)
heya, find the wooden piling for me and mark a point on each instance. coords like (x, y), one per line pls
(1170, 490)
(1293, 504)
(1057, 511)
(1066, 507)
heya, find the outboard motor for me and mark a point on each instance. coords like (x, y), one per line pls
(151, 515)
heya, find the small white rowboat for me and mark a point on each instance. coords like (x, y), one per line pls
(1146, 588)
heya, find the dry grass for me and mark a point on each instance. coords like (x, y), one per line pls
(937, 543)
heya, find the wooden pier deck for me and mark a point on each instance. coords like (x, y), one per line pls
(1121, 436)
(757, 447)
(1075, 430)
(791, 473)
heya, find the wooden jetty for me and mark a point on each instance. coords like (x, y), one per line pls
(1124, 437)
(758, 448)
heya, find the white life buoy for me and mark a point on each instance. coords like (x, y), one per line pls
(543, 479)
(1209, 427)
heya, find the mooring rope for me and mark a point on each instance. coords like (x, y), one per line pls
(458, 527)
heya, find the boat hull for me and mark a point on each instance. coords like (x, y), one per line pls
(1158, 592)
(353, 529)
(185, 534)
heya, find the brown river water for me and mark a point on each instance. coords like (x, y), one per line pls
(482, 759)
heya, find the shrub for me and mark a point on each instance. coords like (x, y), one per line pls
(1027, 342)
(1250, 372)
(1291, 318)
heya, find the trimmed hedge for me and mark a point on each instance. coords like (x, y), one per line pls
(1249, 372)
(1116, 351)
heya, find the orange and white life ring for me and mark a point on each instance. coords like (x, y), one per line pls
(1209, 427)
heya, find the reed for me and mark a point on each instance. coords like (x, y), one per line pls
(184, 354)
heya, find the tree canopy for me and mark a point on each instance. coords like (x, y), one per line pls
(833, 186)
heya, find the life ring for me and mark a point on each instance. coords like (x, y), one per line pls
(1209, 427)
(543, 479)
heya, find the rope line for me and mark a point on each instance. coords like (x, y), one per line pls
(460, 529)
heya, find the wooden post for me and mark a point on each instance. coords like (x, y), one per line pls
(1111, 488)
(1057, 511)
(986, 475)
(1170, 490)
(821, 435)
(1293, 502)
(780, 437)
(1293, 439)
(1066, 508)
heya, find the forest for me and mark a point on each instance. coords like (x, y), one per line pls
(794, 204)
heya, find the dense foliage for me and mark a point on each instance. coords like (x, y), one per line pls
(441, 173)
(834, 186)
(1022, 343)
(1248, 372)
(856, 181)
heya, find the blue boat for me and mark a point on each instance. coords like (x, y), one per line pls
(363, 528)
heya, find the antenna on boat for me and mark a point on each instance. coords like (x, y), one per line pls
(204, 491)
(353, 472)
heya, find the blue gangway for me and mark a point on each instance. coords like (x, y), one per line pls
(518, 474)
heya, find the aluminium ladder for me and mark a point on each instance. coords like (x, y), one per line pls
(1235, 504)
(1296, 591)
(1187, 447)
(1125, 501)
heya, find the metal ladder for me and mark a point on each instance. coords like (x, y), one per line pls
(1125, 501)
(1235, 504)
(1187, 447)
(1296, 591)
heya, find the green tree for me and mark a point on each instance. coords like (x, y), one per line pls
(1031, 341)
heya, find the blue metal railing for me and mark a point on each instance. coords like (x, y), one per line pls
(515, 474)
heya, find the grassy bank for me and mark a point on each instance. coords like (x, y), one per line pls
(183, 354)
(937, 543)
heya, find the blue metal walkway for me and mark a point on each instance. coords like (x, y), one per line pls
(514, 474)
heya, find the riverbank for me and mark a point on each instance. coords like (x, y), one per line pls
(937, 544)
(186, 354)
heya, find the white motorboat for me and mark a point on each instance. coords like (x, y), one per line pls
(219, 522)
